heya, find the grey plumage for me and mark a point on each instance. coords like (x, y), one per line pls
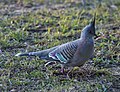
(74, 53)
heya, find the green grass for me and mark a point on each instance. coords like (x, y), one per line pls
(38, 25)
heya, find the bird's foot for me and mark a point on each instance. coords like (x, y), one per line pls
(70, 72)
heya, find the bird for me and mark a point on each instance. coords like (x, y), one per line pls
(70, 54)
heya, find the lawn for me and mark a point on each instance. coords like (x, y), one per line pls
(33, 25)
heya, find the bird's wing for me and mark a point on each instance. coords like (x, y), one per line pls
(64, 52)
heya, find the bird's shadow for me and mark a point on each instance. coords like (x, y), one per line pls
(80, 73)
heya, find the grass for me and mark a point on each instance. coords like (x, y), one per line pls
(34, 26)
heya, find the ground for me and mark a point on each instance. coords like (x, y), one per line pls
(33, 25)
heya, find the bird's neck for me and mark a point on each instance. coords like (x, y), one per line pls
(89, 39)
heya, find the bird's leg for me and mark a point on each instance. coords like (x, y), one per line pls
(62, 69)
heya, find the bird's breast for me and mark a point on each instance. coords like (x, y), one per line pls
(87, 49)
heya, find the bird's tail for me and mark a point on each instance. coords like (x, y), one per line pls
(43, 54)
(28, 54)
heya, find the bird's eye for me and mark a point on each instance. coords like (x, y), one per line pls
(90, 31)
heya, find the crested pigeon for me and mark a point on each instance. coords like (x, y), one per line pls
(71, 54)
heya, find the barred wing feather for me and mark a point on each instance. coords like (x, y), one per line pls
(64, 52)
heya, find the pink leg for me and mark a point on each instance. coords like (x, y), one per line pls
(62, 69)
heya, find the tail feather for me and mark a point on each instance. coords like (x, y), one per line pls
(25, 54)
(43, 54)
(39, 53)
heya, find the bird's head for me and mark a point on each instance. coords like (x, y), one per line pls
(89, 30)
